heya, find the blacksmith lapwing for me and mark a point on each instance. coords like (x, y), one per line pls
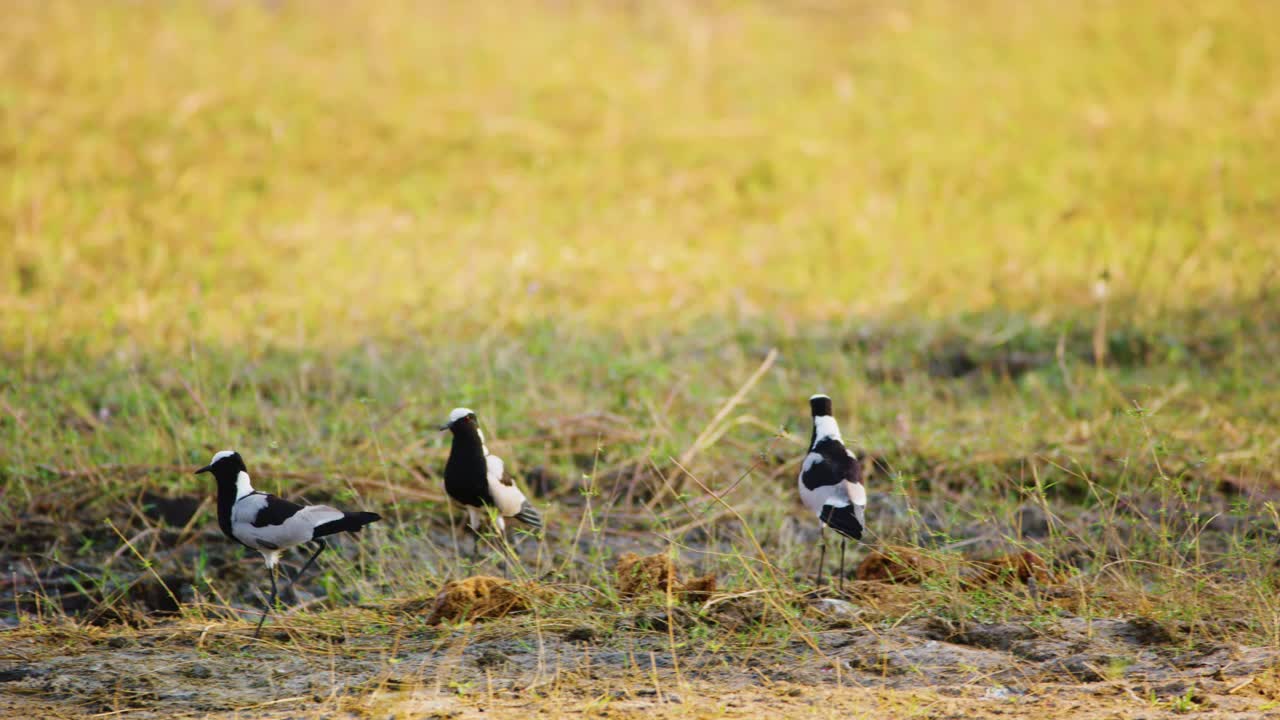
(831, 483)
(271, 525)
(479, 481)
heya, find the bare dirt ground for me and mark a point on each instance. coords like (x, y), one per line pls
(366, 663)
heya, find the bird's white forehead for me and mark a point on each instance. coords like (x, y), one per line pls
(221, 455)
(458, 414)
(819, 396)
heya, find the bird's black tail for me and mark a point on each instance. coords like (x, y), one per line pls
(846, 520)
(349, 522)
(529, 516)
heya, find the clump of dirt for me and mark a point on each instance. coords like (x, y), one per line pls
(699, 589)
(1022, 566)
(906, 565)
(898, 565)
(642, 575)
(477, 598)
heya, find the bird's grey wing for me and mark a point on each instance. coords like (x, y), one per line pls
(280, 524)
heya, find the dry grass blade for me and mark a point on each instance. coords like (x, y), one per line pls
(713, 427)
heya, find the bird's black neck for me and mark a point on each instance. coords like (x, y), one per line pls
(465, 472)
(819, 406)
(813, 434)
(226, 498)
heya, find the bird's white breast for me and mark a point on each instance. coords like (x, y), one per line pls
(243, 485)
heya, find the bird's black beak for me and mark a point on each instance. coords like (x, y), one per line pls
(205, 469)
(444, 427)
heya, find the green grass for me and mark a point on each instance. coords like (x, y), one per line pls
(307, 233)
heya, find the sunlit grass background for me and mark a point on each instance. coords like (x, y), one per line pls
(308, 230)
(263, 174)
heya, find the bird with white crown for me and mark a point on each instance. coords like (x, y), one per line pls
(831, 482)
(271, 525)
(478, 480)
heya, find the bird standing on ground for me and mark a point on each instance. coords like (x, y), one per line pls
(478, 480)
(271, 525)
(831, 482)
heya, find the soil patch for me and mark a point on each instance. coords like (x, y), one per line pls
(477, 598)
(638, 576)
(359, 664)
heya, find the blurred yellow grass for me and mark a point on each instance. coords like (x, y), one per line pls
(303, 173)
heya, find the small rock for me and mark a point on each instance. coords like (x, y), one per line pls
(199, 672)
(580, 634)
(837, 609)
(118, 642)
(1000, 692)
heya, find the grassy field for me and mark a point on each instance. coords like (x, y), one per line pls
(1030, 248)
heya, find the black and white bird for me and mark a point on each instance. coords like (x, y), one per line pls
(479, 480)
(831, 482)
(271, 525)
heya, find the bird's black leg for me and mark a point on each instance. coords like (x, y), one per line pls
(842, 542)
(319, 549)
(475, 546)
(822, 551)
(270, 604)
